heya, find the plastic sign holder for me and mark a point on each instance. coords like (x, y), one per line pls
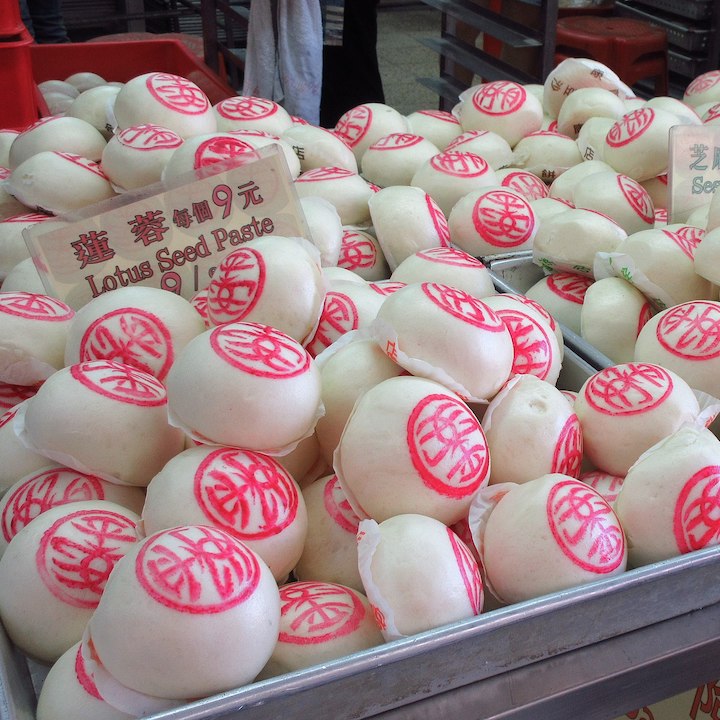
(171, 237)
(693, 168)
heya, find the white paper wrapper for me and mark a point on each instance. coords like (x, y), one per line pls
(487, 417)
(368, 539)
(19, 368)
(385, 336)
(552, 264)
(482, 505)
(117, 695)
(574, 73)
(623, 266)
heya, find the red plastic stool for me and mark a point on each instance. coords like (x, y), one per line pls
(633, 49)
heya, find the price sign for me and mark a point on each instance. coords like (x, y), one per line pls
(693, 168)
(169, 237)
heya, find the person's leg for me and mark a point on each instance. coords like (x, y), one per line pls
(26, 17)
(351, 74)
(48, 22)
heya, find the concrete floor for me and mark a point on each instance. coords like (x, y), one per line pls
(403, 59)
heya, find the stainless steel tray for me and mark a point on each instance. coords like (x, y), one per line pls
(594, 652)
(516, 273)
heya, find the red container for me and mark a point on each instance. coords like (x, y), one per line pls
(20, 102)
(11, 25)
(122, 61)
(24, 64)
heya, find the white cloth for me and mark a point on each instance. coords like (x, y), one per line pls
(284, 55)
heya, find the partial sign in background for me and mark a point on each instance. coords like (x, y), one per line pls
(171, 238)
(693, 169)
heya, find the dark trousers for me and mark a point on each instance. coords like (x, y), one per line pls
(44, 20)
(351, 75)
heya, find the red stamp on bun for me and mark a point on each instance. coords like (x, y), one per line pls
(447, 446)
(197, 569)
(585, 527)
(78, 552)
(177, 93)
(318, 612)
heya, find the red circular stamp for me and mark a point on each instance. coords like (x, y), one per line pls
(260, 350)
(379, 617)
(568, 453)
(396, 141)
(712, 114)
(469, 571)
(357, 251)
(628, 389)
(703, 83)
(12, 395)
(221, 148)
(569, 286)
(338, 507)
(149, 137)
(243, 107)
(503, 219)
(463, 306)
(318, 612)
(325, 173)
(696, 520)
(197, 569)
(451, 256)
(117, 381)
(466, 137)
(42, 491)
(237, 285)
(85, 678)
(11, 412)
(630, 127)
(354, 124)
(585, 527)
(177, 93)
(30, 217)
(607, 485)
(439, 221)
(533, 348)
(687, 238)
(459, 164)
(646, 312)
(200, 302)
(339, 316)
(500, 97)
(34, 306)
(530, 186)
(443, 115)
(386, 287)
(249, 495)
(462, 529)
(77, 553)
(447, 446)
(536, 306)
(131, 336)
(691, 330)
(84, 163)
(638, 198)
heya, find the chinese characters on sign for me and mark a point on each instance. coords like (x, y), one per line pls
(173, 240)
(693, 169)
